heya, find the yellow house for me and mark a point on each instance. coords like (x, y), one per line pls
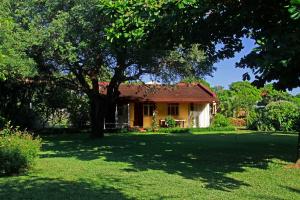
(190, 105)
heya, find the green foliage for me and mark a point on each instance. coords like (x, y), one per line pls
(61, 107)
(226, 102)
(245, 95)
(189, 64)
(78, 109)
(296, 100)
(294, 9)
(14, 42)
(240, 96)
(170, 122)
(270, 94)
(15, 99)
(282, 115)
(276, 116)
(130, 20)
(18, 150)
(154, 123)
(275, 56)
(33, 104)
(220, 121)
(254, 120)
(49, 103)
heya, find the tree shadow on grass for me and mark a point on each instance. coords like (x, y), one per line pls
(292, 189)
(46, 188)
(210, 158)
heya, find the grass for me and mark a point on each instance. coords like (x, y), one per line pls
(230, 165)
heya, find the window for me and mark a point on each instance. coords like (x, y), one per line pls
(148, 109)
(173, 109)
(214, 108)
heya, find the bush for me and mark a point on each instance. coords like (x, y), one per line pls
(170, 122)
(282, 115)
(220, 121)
(276, 116)
(18, 150)
(253, 119)
(238, 122)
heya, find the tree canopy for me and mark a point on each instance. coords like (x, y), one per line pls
(14, 42)
(115, 41)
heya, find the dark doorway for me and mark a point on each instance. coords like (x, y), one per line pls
(138, 115)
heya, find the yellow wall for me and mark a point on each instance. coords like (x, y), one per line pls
(131, 114)
(162, 109)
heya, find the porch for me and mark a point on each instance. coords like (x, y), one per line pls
(138, 114)
(186, 115)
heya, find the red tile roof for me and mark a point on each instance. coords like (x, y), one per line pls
(181, 92)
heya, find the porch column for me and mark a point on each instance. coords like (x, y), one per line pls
(116, 116)
(128, 113)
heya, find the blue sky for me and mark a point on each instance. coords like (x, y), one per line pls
(227, 73)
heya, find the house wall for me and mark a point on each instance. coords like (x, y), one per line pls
(131, 114)
(162, 109)
(200, 116)
(204, 117)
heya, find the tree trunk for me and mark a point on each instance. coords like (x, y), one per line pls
(110, 115)
(97, 112)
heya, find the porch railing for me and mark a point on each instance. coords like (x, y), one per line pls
(116, 125)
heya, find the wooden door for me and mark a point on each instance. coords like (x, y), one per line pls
(138, 115)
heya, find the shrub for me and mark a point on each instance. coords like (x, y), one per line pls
(276, 116)
(238, 122)
(282, 115)
(220, 121)
(18, 150)
(170, 122)
(253, 119)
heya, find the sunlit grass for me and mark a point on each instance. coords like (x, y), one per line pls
(230, 165)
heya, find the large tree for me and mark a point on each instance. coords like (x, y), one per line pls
(104, 40)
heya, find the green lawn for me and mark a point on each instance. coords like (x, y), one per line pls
(161, 166)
